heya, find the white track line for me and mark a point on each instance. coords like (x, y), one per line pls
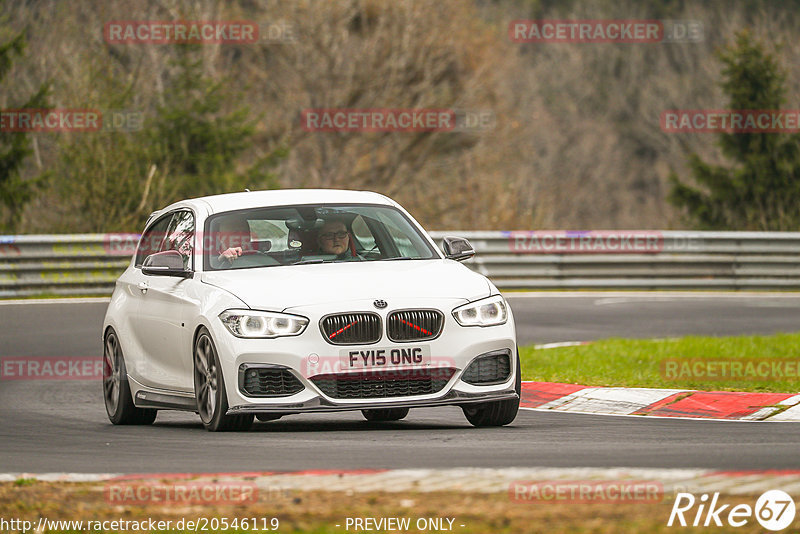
(65, 300)
(560, 344)
(646, 417)
(480, 480)
(623, 401)
(650, 294)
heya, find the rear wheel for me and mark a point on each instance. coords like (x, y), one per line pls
(496, 413)
(209, 389)
(117, 390)
(385, 414)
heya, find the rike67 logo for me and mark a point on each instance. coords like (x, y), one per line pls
(774, 510)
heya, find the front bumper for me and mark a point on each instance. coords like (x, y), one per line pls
(321, 404)
(455, 348)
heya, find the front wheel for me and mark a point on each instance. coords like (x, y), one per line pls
(117, 390)
(385, 414)
(209, 390)
(497, 413)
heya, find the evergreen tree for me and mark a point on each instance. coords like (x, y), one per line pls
(198, 143)
(15, 147)
(191, 145)
(761, 189)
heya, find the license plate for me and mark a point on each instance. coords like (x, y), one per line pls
(378, 358)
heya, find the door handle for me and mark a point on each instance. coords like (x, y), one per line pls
(143, 287)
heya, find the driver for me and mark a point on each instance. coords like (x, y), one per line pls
(234, 231)
(333, 238)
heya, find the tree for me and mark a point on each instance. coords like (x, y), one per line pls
(761, 190)
(15, 147)
(190, 145)
(198, 143)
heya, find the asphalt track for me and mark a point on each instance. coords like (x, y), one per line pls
(61, 426)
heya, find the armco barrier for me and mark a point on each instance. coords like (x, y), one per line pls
(679, 260)
(85, 264)
(78, 264)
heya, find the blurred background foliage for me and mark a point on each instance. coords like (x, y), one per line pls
(577, 142)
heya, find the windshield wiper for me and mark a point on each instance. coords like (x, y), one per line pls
(398, 258)
(309, 262)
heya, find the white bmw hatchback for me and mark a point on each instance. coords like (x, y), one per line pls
(265, 304)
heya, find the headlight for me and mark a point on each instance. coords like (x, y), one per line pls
(253, 323)
(486, 312)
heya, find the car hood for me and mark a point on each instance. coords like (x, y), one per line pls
(279, 288)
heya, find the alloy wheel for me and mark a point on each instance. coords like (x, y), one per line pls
(111, 373)
(205, 371)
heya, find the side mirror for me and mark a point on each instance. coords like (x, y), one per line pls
(457, 248)
(166, 263)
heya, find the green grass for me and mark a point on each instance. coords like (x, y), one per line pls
(640, 363)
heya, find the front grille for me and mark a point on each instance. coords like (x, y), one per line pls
(489, 369)
(351, 328)
(410, 325)
(268, 382)
(384, 384)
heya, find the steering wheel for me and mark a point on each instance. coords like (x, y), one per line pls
(247, 252)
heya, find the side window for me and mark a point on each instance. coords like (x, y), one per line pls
(362, 233)
(151, 240)
(408, 245)
(180, 236)
(401, 240)
(274, 231)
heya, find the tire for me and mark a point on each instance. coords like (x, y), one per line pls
(117, 390)
(209, 389)
(496, 413)
(385, 414)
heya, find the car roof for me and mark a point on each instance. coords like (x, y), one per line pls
(280, 197)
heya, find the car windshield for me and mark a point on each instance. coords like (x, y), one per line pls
(296, 235)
